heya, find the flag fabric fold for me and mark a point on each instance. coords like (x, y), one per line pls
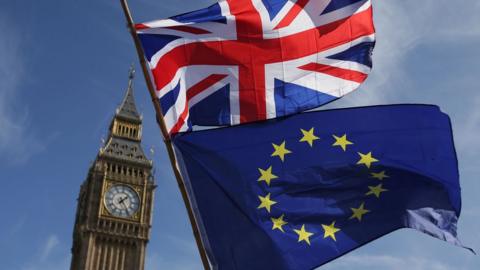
(297, 192)
(240, 61)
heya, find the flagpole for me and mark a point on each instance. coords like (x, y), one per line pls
(166, 135)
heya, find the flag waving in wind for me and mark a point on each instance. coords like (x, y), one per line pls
(298, 192)
(240, 61)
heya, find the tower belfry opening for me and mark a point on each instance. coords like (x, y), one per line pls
(114, 211)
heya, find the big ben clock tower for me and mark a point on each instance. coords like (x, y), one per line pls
(114, 211)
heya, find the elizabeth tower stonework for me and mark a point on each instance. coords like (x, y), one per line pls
(114, 212)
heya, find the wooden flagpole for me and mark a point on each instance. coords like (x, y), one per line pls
(166, 135)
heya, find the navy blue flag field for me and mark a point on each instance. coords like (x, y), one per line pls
(295, 193)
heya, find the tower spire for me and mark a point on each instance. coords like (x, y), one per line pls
(131, 75)
(128, 109)
(131, 72)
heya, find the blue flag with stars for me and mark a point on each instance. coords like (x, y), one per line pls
(297, 192)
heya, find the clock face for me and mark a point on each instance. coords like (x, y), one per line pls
(121, 201)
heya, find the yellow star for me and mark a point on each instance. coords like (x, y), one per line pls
(266, 175)
(303, 235)
(280, 151)
(380, 176)
(330, 231)
(308, 136)
(376, 190)
(278, 223)
(366, 159)
(265, 202)
(342, 142)
(359, 212)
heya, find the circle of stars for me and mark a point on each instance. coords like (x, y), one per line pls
(329, 230)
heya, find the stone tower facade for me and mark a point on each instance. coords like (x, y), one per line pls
(114, 211)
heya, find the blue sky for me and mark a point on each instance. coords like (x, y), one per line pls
(63, 71)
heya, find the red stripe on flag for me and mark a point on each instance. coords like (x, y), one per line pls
(251, 72)
(292, 14)
(141, 26)
(192, 92)
(342, 73)
(247, 19)
(189, 29)
(204, 84)
(181, 120)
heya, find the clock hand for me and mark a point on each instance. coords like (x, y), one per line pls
(126, 208)
(122, 200)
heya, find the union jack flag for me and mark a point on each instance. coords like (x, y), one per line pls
(239, 61)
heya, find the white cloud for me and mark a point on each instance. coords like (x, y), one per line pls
(374, 262)
(62, 264)
(48, 256)
(17, 143)
(468, 130)
(158, 261)
(51, 243)
(186, 255)
(472, 212)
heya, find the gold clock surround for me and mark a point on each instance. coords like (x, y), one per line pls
(136, 188)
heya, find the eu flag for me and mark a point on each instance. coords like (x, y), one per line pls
(297, 192)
